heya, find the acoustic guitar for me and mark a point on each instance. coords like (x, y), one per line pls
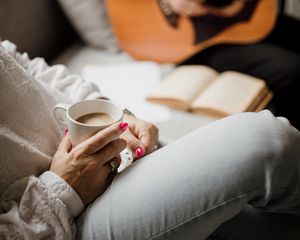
(150, 30)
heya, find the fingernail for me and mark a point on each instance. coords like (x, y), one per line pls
(66, 131)
(123, 126)
(139, 152)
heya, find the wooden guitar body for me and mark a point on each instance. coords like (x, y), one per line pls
(146, 32)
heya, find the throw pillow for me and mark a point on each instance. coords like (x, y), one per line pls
(89, 18)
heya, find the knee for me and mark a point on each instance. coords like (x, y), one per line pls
(279, 67)
(268, 138)
(286, 72)
(291, 65)
(291, 71)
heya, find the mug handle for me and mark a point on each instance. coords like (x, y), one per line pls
(60, 113)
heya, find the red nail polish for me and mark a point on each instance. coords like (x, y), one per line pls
(139, 152)
(66, 131)
(123, 126)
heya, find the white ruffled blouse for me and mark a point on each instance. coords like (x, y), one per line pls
(34, 203)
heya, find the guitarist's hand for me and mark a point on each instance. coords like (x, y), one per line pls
(192, 8)
(189, 7)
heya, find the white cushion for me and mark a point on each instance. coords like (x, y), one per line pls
(90, 20)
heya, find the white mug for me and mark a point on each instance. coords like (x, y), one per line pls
(78, 132)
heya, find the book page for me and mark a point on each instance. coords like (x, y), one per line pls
(230, 93)
(264, 102)
(183, 85)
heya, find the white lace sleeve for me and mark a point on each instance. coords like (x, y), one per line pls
(39, 208)
(57, 76)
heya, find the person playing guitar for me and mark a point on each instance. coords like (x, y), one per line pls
(240, 35)
(237, 35)
(276, 59)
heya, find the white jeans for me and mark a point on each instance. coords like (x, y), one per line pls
(188, 188)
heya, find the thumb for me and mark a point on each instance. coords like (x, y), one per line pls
(135, 145)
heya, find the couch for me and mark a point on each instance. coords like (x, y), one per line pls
(40, 28)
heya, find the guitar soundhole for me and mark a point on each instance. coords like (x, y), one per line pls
(218, 3)
(208, 26)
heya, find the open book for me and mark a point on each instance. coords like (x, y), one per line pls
(203, 90)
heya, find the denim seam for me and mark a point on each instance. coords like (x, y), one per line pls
(202, 213)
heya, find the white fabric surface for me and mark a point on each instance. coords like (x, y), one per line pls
(34, 207)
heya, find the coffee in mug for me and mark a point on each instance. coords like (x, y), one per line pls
(96, 119)
(85, 118)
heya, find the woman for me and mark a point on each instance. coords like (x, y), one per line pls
(182, 191)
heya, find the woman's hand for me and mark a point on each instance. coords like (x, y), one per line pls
(141, 136)
(87, 166)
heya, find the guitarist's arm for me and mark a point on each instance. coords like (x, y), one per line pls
(201, 7)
